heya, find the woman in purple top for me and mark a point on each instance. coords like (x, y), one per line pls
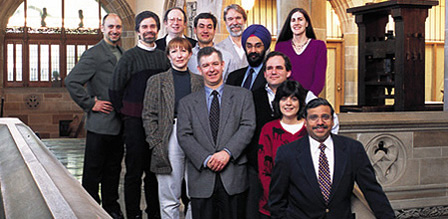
(308, 55)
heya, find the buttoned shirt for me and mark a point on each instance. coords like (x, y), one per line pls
(329, 153)
(254, 74)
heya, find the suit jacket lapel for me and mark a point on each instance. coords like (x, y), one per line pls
(110, 56)
(200, 108)
(167, 87)
(226, 107)
(340, 163)
(306, 162)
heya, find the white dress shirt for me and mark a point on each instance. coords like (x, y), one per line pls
(329, 152)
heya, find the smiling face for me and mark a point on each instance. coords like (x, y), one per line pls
(111, 29)
(298, 23)
(179, 58)
(289, 107)
(275, 72)
(319, 122)
(147, 31)
(235, 23)
(211, 68)
(205, 32)
(175, 23)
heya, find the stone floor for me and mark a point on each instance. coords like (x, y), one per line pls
(70, 152)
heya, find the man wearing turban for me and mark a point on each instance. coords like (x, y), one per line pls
(256, 40)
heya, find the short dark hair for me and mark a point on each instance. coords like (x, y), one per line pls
(165, 17)
(179, 42)
(237, 8)
(143, 15)
(286, 32)
(288, 65)
(205, 15)
(286, 89)
(316, 103)
(208, 51)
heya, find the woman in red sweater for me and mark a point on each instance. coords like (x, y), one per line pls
(289, 102)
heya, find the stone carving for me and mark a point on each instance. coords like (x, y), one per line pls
(81, 19)
(43, 15)
(32, 101)
(428, 212)
(386, 152)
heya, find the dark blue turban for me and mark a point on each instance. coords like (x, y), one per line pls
(259, 31)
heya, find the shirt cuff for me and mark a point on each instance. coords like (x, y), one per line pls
(228, 151)
(206, 160)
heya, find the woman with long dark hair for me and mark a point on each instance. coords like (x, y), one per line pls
(307, 54)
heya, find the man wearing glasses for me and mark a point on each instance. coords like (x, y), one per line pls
(314, 176)
(175, 21)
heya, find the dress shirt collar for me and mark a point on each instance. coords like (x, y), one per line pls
(147, 48)
(271, 94)
(209, 96)
(255, 74)
(315, 144)
(169, 38)
(208, 91)
(239, 50)
(329, 152)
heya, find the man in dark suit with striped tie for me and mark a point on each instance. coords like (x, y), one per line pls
(314, 176)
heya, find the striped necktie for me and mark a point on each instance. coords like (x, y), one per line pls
(324, 174)
(214, 115)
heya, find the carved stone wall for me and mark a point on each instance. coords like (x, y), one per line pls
(409, 152)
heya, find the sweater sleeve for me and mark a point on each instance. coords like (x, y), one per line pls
(320, 68)
(120, 78)
(265, 162)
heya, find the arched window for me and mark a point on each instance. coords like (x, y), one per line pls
(45, 39)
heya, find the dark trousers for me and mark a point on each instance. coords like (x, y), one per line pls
(220, 205)
(253, 194)
(102, 165)
(138, 159)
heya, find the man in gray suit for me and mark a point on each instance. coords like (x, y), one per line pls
(213, 144)
(104, 144)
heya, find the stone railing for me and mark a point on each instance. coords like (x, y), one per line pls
(34, 184)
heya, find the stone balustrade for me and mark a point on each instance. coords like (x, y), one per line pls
(34, 184)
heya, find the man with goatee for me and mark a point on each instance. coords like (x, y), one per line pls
(126, 93)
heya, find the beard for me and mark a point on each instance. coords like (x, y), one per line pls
(255, 59)
(149, 39)
(235, 34)
(112, 40)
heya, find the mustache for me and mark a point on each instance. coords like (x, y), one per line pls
(236, 25)
(148, 33)
(254, 54)
(320, 126)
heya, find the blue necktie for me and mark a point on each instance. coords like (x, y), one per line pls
(248, 82)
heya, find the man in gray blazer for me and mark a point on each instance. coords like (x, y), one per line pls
(104, 144)
(214, 127)
(235, 18)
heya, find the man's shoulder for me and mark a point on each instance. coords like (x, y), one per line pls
(260, 92)
(192, 97)
(237, 73)
(294, 147)
(237, 90)
(224, 43)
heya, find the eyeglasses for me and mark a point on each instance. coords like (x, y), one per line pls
(314, 117)
(173, 19)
